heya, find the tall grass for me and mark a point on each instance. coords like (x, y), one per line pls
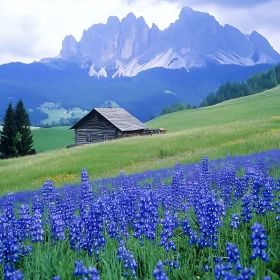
(254, 107)
(139, 154)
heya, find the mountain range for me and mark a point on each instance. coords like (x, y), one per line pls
(128, 46)
(141, 69)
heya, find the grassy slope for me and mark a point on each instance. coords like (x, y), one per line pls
(247, 108)
(257, 133)
(46, 139)
(257, 106)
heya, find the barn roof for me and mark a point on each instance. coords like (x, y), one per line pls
(119, 117)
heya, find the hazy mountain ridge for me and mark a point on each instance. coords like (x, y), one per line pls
(129, 46)
(143, 95)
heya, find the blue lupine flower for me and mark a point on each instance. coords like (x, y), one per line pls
(47, 191)
(128, 258)
(239, 188)
(36, 229)
(10, 248)
(131, 206)
(171, 264)
(56, 278)
(225, 270)
(79, 268)
(37, 204)
(246, 273)
(247, 211)
(233, 256)
(86, 190)
(57, 228)
(92, 230)
(146, 218)
(235, 222)
(75, 234)
(24, 250)
(259, 244)
(209, 211)
(93, 273)
(159, 273)
(168, 225)
(11, 274)
(187, 230)
(24, 222)
(266, 201)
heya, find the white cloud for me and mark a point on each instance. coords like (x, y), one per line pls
(33, 29)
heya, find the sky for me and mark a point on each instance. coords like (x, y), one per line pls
(34, 29)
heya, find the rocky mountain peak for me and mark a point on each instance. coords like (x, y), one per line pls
(130, 18)
(141, 21)
(128, 46)
(186, 12)
(69, 46)
(113, 20)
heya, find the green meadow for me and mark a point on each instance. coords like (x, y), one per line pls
(56, 114)
(239, 127)
(46, 139)
(254, 107)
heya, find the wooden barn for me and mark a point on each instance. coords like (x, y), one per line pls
(103, 124)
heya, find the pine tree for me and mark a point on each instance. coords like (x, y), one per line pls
(8, 136)
(277, 70)
(272, 79)
(25, 138)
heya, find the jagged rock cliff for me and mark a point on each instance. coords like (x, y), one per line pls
(129, 46)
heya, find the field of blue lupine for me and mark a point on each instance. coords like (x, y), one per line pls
(211, 220)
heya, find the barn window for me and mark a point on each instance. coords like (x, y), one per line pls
(89, 137)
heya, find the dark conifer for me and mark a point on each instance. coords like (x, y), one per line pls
(277, 70)
(25, 138)
(8, 136)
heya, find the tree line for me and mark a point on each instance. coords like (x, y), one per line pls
(176, 107)
(61, 122)
(254, 84)
(37, 116)
(16, 138)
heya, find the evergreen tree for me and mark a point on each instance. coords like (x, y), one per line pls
(8, 136)
(24, 136)
(254, 84)
(277, 70)
(271, 76)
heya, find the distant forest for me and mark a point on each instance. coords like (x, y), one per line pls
(37, 116)
(176, 107)
(254, 84)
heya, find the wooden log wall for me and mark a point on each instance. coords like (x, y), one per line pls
(95, 129)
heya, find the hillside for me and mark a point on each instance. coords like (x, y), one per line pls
(144, 95)
(240, 127)
(255, 107)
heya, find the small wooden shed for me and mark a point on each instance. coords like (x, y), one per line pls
(103, 124)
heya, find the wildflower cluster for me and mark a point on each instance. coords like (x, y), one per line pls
(129, 262)
(168, 210)
(84, 273)
(259, 244)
